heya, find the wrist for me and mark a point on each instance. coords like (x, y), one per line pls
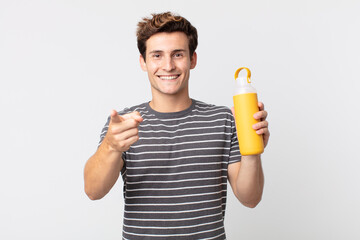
(251, 157)
(108, 147)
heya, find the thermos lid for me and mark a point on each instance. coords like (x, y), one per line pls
(243, 85)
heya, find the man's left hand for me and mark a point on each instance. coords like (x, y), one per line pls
(262, 126)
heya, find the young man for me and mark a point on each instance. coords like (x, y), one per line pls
(175, 153)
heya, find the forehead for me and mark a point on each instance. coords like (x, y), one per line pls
(167, 42)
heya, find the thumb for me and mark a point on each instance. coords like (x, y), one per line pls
(134, 115)
(137, 117)
(115, 117)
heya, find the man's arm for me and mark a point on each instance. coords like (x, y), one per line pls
(247, 180)
(246, 177)
(103, 169)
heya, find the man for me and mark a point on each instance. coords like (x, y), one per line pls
(175, 153)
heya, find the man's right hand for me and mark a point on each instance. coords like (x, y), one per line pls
(103, 168)
(122, 131)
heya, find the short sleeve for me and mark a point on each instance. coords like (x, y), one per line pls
(235, 155)
(104, 131)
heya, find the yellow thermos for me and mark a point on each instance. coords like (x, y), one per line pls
(246, 104)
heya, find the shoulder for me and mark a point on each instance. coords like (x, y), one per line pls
(207, 108)
(141, 108)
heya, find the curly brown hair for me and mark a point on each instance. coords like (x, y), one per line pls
(165, 22)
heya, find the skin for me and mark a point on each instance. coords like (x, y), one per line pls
(103, 168)
(246, 177)
(168, 64)
(168, 56)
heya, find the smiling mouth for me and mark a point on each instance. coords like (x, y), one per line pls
(168, 77)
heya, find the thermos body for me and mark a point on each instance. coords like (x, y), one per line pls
(245, 106)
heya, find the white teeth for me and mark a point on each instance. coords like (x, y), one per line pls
(168, 77)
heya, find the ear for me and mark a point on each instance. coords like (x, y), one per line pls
(142, 63)
(193, 60)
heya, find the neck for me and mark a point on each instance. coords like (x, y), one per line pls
(170, 103)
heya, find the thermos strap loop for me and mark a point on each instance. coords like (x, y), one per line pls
(248, 73)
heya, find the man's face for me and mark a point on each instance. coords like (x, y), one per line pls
(168, 63)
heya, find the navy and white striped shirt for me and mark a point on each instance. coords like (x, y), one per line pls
(175, 175)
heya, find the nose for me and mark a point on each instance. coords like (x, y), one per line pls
(169, 64)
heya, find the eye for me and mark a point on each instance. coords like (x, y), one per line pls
(156, 55)
(178, 55)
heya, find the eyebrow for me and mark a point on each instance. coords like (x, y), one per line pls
(179, 50)
(156, 51)
(161, 51)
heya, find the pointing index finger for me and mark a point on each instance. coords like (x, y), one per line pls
(115, 117)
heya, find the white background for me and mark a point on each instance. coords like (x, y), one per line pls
(65, 64)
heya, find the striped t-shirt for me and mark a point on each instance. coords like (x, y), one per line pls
(175, 175)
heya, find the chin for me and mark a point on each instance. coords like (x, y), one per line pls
(169, 91)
